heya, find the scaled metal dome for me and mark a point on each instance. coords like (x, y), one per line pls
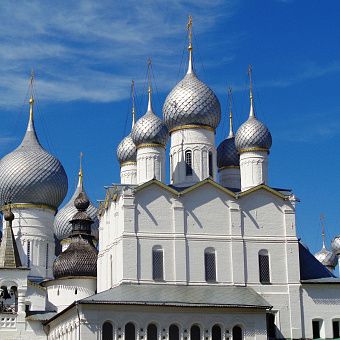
(30, 174)
(126, 150)
(149, 129)
(326, 257)
(80, 258)
(336, 245)
(227, 154)
(62, 224)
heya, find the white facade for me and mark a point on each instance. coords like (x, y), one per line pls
(230, 177)
(198, 141)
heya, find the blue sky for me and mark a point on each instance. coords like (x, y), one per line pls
(85, 54)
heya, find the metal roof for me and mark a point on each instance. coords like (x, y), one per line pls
(324, 280)
(180, 295)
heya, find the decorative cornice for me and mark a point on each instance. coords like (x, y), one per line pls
(264, 187)
(253, 149)
(228, 167)
(150, 145)
(128, 163)
(191, 126)
(27, 206)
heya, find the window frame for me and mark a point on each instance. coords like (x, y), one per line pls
(157, 273)
(263, 262)
(188, 163)
(210, 255)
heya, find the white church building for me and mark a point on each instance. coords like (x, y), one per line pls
(211, 255)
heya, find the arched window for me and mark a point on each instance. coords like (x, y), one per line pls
(107, 331)
(211, 167)
(173, 332)
(188, 163)
(210, 265)
(152, 332)
(316, 324)
(237, 333)
(130, 331)
(216, 333)
(171, 168)
(264, 270)
(195, 333)
(157, 263)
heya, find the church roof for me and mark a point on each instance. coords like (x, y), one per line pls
(310, 267)
(9, 254)
(177, 295)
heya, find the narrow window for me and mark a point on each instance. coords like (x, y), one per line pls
(316, 329)
(157, 264)
(107, 331)
(210, 164)
(28, 254)
(195, 333)
(171, 168)
(76, 291)
(237, 333)
(264, 270)
(210, 265)
(152, 333)
(336, 329)
(46, 264)
(188, 163)
(216, 333)
(173, 332)
(130, 331)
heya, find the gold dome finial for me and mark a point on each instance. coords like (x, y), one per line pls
(189, 28)
(230, 99)
(80, 173)
(149, 86)
(322, 222)
(133, 103)
(250, 71)
(31, 101)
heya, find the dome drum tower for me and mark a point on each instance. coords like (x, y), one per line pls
(33, 183)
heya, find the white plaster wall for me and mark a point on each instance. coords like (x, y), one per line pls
(252, 322)
(230, 177)
(150, 164)
(254, 169)
(200, 142)
(35, 225)
(63, 292)
(128, 173)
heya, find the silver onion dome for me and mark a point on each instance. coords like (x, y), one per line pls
(336, 245)
(327, 258)
(126, 151)
(62, 221)
(30, 174)
(149, 129)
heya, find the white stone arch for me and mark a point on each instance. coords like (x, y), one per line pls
(200, 326)
(113, 328)
(136, 324)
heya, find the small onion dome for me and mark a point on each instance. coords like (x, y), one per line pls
(191, 102)
(80, 258)
(227, 155)
(326, 257)
(336, 245)
(149, 129)
(62, 224)
(252, 134)
(30, 174)
(126, 151)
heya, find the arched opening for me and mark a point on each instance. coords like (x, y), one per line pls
(237, 333)
(107, 331)
(210, 265)
(336, 329)
(130, 331)
(8, 299)
(195, 333)
(157, 263)
(188, 162)
(211, 166)
(316, 324)
(173, 332)
(216, 333)
(264, 268)
(271, 328)
(152, 332)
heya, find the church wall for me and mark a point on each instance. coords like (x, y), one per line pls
(253, 322)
